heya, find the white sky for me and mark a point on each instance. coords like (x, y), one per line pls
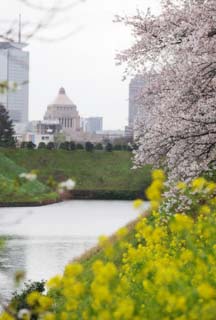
(84, 63)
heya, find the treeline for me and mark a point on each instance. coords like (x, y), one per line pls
(71, 146)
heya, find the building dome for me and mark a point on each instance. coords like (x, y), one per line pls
(62, 99)
(65, 111)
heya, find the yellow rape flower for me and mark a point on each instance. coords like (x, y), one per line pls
(198, 183)
(33, 298)
(121, 233)
(206, 291)
(137, 203)
(204, 210)
(45, 302)
(181, 185)
(181, 223)
(73, 270)
(158, 175)
(54, 282)
(49, 316)
(6, 316)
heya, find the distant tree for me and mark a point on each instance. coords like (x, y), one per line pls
(89, 146)
(30, 145)
(65, 145)
(42, 145)
(117, 147)
(79, 146)
(23, 145)
(72, 145)
(50, 146)
(129, 147)
(59, 138)
(6, 129)
(124, 147)
(109, 147)
(62, 146)
(99, 146)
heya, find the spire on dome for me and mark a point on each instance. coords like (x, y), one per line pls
(62, 90)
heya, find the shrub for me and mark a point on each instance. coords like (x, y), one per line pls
(72, 145)
(23, 145)
(65, 145)
(99, 146)
(79, 146)
(109, 147)
(50, 146)
(19, 299)
(117, 147)
(89, 146)
(30, 145)
(42, 145)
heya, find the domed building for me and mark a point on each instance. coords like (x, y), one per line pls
(65, 111)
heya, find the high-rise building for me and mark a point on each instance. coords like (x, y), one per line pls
(135, 94)
(14, 69)
(93, 124)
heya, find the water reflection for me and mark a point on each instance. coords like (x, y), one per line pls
(41, 258)
(46, 238)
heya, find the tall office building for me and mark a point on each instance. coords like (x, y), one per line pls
(93, 124)
(14, 69)
(135, 93)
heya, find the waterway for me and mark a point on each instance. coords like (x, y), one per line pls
(44, 239)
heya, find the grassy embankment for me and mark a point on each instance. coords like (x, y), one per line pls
(11, 191)
(99, 175)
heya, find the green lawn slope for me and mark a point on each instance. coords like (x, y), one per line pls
(92, 171)
(28, 192)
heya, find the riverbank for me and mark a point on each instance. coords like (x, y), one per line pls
(38, 203)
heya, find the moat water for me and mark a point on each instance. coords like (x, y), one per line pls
(44, 239)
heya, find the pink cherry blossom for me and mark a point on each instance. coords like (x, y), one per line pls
(176, 51)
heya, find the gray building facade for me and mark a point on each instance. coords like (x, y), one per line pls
(14, 69)
(135, 93)
(93, 124)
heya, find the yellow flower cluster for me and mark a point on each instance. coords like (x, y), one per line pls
(163, 269)
(154, 192)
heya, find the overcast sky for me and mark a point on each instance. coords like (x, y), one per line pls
(83, 64)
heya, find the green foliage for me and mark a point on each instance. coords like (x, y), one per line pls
(72, 145)
(6, 129)
(69, 146)
(117, 147)
(14, 190)
(42, 145)
(23, 145)
(65, 146)
(99, 146)
(89, 147)
(30, 145)
(50, 146)
(79, 146)
(109, 147)
(18, 301)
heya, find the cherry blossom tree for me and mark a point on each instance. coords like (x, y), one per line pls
(176, 124)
